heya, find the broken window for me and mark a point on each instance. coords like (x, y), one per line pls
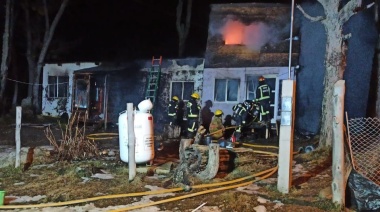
(182, 89)
(226, 90)
(58, 86)
(81, 98)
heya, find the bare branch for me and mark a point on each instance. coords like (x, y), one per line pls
(188, 16)
(348, 10)
(51, 32)
(179, 15)
(311, 18)
(47, 22)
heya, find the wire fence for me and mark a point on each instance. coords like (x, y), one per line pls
(364, 144)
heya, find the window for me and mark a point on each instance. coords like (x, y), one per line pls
(182, 89)
(58, 86)
(226, 90)
(81, 97)
(252, 83)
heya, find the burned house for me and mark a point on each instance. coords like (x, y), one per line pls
(246, 41)
(57, 81)
(102, 92)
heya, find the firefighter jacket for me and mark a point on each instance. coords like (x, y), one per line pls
(193, 108)
(172, 108)
(262, 92)
(217, 124)
(240, 110)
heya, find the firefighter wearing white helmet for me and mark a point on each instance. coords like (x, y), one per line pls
(216, 126)
(193, 109)
(173, 111)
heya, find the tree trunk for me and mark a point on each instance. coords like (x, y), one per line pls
(335, 16)
(46, 42)
(183, 28)
(205, 162)
(377, 52)
(5, 51)
(334, 62)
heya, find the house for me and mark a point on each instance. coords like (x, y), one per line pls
(103, 91)
(246, 41)
(57, 81)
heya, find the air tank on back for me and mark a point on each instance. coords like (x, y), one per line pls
(144, 135)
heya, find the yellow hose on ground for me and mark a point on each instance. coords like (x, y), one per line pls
(163, 191)
(56, 204)
(97, 136)
(194, 194)
(260, 146)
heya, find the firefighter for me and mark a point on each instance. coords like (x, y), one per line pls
(173, 111)
(216, 126)
(206, 115)
(193, 109)
(240, 116)
(263, 98)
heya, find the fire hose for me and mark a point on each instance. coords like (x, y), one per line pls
(267, 173)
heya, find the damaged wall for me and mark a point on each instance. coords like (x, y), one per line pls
(127, 83)
(53, 106)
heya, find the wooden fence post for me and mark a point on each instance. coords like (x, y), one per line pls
(17, 136)
(131, 142)
(338, 171)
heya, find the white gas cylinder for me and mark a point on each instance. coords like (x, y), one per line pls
(144, 134)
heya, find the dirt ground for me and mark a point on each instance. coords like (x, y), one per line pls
(52, 181)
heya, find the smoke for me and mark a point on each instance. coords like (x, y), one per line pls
(254, 36)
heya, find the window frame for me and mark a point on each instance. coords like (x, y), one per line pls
(182, 89)
(55, 88)
(226, 90)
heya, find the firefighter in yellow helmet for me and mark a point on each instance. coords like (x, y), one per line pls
(192, 109)
(173, 109)
(216, 126)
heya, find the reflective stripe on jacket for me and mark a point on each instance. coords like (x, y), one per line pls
(193, 109)
(264, 92)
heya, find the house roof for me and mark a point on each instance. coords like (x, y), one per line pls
(249, 35)
(136, 65)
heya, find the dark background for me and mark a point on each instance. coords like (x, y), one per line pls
(98, 30)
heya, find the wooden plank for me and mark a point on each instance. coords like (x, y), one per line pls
(17, 136)
(338, 167)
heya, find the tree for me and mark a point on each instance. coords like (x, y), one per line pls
(183, 28)
(378, 61)
(335, 16)
(33, 41)
(6, 46)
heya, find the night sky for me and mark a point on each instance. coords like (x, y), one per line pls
(98, 30)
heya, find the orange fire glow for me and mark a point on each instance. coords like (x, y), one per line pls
(233, 33)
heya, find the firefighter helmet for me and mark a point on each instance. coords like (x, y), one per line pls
(218, 112)
(261, 79)
(247, 103)
(175, 98)
(195, 95)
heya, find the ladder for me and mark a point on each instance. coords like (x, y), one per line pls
(153, 80)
